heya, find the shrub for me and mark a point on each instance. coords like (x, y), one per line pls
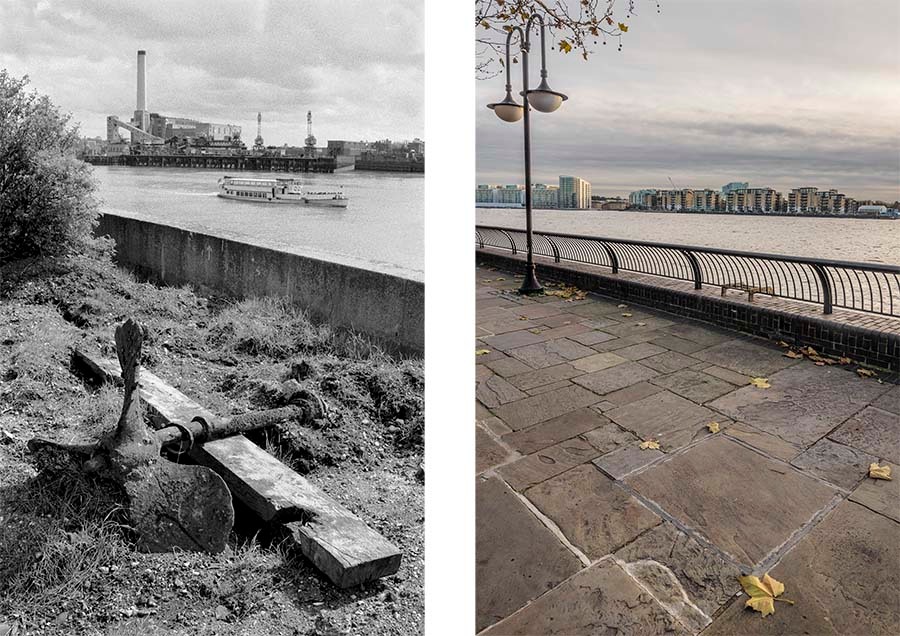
(47, 203)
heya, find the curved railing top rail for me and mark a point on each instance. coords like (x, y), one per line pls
(869, 287)
(878, 267)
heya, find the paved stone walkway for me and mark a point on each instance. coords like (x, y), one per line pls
(579, 531)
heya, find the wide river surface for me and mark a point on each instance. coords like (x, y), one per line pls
(872, 240)
(382, 229)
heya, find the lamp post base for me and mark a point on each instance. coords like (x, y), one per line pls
(530, 285)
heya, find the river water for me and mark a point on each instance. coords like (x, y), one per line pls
(871, 240)
(382, 229)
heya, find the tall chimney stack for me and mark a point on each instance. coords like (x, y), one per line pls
(142, 81)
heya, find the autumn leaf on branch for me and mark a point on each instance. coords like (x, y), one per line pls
(564, 46)
(763, 593)
(623, 28)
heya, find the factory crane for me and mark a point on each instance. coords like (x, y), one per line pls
(258, 143)
(113, 123)
(310, 139)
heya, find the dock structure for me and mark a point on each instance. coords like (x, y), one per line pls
(225, 162)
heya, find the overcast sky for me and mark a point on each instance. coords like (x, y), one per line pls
(359, 66)
(780, 93)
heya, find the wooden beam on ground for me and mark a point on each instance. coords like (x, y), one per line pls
(338, 543)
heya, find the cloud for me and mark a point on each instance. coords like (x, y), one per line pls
(783, 93)
(358, 66)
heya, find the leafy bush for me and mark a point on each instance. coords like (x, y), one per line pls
(47, 203)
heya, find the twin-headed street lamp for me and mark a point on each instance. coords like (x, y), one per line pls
(541, 98)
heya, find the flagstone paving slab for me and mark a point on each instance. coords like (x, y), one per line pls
(872, 430)
(601, 599)
(506, 367)
(524, 413)
(668, 362)
(594, 514)
(640, 351)
(841, 465)
(732, 377)
(598, 362)
(495, 391)
(668, 418)
(512, 340)
(744, 503)
(540, 377)
(593, 337)
(768, 444)
(495, 425)
(517, 557)
(550, 353)
(626, 341)
(890, 401)
(703, 574)
(560, 320)
(701, 334)
(548, 388)
(549, 462)
(615, 378)
(745, 356)
(674, 343)
(880, 495)
(626, 460)
(803, 404)
(555, 430)
(488, 453)
(632, 393)
(609, 436)
(695, 386)
(843, 579)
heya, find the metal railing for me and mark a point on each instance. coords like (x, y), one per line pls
(868, 287)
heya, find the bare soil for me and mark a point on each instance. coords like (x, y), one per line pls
(67, 565)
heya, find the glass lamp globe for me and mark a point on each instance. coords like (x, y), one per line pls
(508, 110)
(544, 99)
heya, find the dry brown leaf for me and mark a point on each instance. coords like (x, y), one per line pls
(809, 351)
(627, 315)
(763, 593)
(523, 317)
(792, 354)
(713, 427)
(760, 383)
(865, 373)
(534, 331)
(880, 472)
(845, 360)
(650, 444)
(820, 364)
(782, 343)
(481, 352)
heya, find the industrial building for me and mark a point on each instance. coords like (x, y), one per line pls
(153, 128)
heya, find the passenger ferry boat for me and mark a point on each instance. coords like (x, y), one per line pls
(278, 190)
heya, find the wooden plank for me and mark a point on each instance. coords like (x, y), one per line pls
(338, 543)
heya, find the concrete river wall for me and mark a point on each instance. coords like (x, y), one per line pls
(390, 309)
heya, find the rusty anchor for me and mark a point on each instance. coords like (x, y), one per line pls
(172, 505)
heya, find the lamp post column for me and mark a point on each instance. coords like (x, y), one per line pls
(530, 285)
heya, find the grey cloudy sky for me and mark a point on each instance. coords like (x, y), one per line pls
(780, 93)
(359, 66)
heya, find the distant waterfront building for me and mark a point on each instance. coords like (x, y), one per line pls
(340, 147)
(811, 201)
(544, 196)
(707, 200)
(645, 198)
(803, 200)
(765, 200)
(676, 200)
(574, 192)
(872, 210)
(505, 196)
(734, 185)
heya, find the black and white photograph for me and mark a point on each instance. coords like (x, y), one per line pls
(211, 317)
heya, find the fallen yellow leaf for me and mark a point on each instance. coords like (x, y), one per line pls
(651, 444)
(641, 324)
(622, 306)
(760, 383)
(763, 594)
(809, 351)
(627, 315)
(523, 317)
(713, 427)
(782, 343)
(481, 352)
(534, 331)
(845, 360)
(865, 373)
(499, 279)
(792, 354)
(880, 472)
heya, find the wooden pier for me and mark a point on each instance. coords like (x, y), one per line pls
(262, 163)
